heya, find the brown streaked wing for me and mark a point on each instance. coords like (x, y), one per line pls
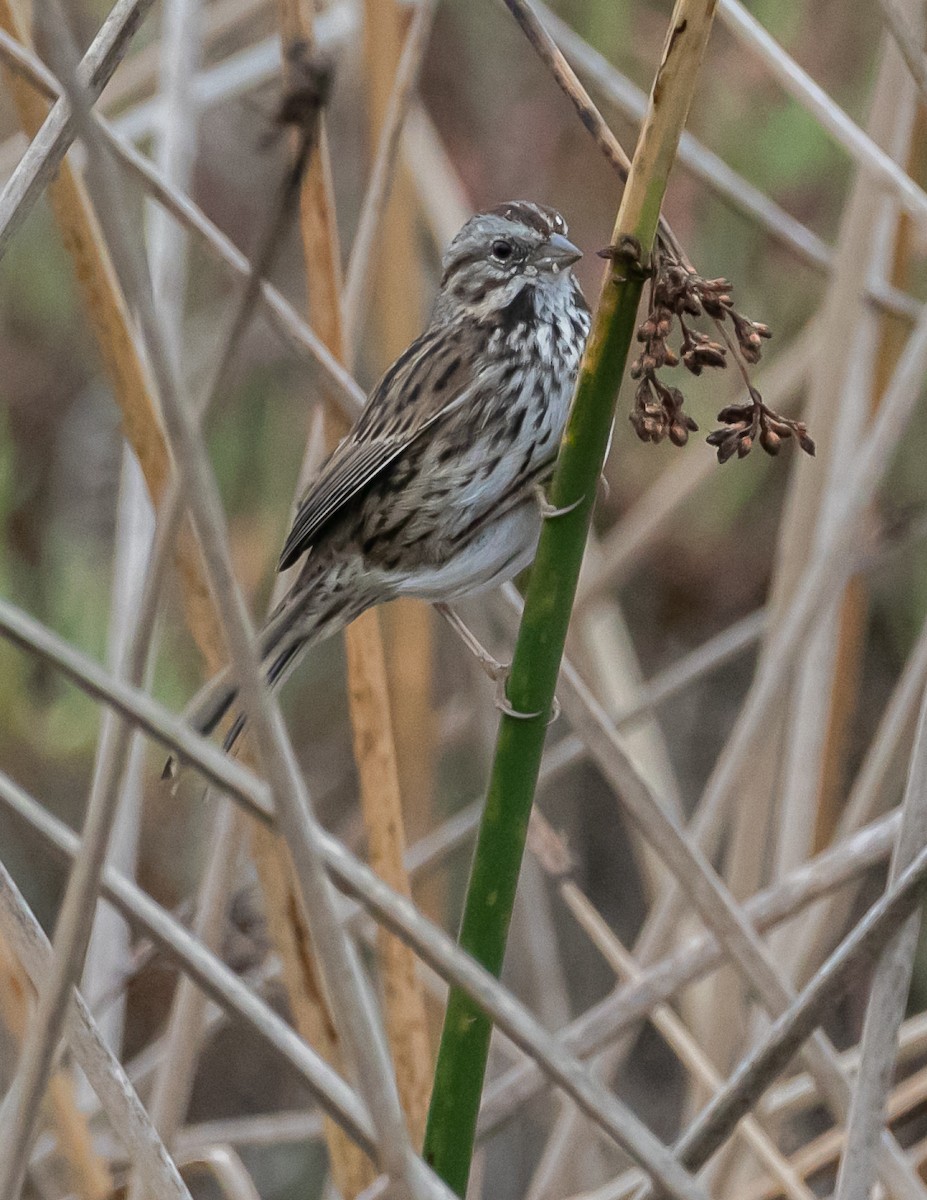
(377, 441)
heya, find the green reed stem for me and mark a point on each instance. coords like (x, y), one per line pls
(464, 1049)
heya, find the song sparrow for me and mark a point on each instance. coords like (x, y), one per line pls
(434, 493)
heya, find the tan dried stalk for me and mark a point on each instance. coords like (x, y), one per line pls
(823, 1151)
(287, 926)
(853, 610)
(368, 692)
(395, 321)
(89, 1174)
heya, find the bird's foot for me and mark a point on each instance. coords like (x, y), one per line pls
(549, 510)
(504, 705)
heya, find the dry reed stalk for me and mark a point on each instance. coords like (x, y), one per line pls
(395, 322)
(108, 318)
(109, 322)
(367, 689)
(851, 632)
(790, 755)
(106, 307)
(286, 919)
(823, 1151)
(600, 645)
(554, 857)
(89, 1174)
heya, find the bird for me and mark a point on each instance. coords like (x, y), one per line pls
(437, 490)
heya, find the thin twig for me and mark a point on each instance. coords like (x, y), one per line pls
(888, 995)
(384, 165)
(399, 915)
(102, 1068)
(799, 84)
(49, 143)
(604, 1021)
(774, 1050)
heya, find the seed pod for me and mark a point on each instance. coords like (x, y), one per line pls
(735, 412)
(726, 449)
(679, 434)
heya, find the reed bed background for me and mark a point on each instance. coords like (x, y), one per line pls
(715, 973)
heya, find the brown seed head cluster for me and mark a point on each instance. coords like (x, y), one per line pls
(677, 297)
(745, 423)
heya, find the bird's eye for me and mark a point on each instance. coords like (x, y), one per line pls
(502, 250)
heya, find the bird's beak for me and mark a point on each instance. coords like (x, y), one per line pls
(557, 252)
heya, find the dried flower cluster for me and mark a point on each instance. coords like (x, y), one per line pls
(677, 296)
(744, 423)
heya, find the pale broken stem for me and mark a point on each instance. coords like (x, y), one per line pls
(887, 997)
(227, 1170)
(89, 1174)
(680, 1040)
(122, 1106)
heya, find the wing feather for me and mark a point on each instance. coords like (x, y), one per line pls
(352, 467)
(377, 441)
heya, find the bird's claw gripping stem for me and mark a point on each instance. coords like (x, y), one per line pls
(504, 705)
(548, 510)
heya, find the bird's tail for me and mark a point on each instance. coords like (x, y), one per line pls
(308, 615)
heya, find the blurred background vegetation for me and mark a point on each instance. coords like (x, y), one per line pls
(509, 133)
